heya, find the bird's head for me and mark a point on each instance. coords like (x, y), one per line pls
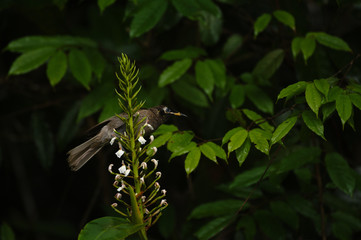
(165, 112)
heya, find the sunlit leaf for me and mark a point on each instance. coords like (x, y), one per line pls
(218, 150)
(208, 152)
(313, 123)
(292, 90)
(258, 119)
(344, 107)
(179, 140)
(283, 129)
(229, 134)
(242, 152)
(237, 140)
(313, 98)
(192, 160)
(260, 138)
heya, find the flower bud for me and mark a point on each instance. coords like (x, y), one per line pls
(154, 150)
(151, 138)
(156, 185)
(110, 168)
(158, 174)
(163, 202)
(114, 205)
(118, 177)
(144, 165)
(112, 140)
(115, 184)
(164, 192)
(118, 196)
(143, 198)
(155, 162)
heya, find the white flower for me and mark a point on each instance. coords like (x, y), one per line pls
(144, 165)
(154, 150)
(158, 174)
(143, 198)
(164, 192)
(121, 187)
(142, 140)
(156, 185)
(119, 153)
(155, 162)
(114, 205)
(112, 140)
(141, 180)
(110, 168)
(163, 202)
(118, 196)
(115, 183)
(122, 169)
(151, 138)
(118, 177)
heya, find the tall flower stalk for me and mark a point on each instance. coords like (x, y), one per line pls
(138, 198)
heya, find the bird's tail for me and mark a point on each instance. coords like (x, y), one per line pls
(81, 154)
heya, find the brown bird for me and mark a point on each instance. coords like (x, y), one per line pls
(81, 154)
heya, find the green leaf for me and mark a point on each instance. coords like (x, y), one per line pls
(283, 129)
(188, 8)
(269, 64)
(190, 52)
(308, 46)
(31, 60)
(258, 119)
(259, 98)
(233, 43)
(356, 100)
(190, 93)
(331, 41)
(213, 227)
(56, 68)
(219, 71)
(218, 150)
(110, 228)
(161, 140)
(80, 67)
(165, 128)
(210, 7)
(237, 140)
(216, 208)
(179, 140)
(344, 107)
(204, 77)
(248, 226)
(292, 90)
(304, 207)
(313, 97)
(103, 4)
(96, 60)
(192, 160)
(284, 212)
(322, 85)
(6, 233)
(286, 18)
(327, 109)
(237, 96)
(313, 123)
(147, 17)
(352, 221)
(296, 46)
(210, 28)
(242, 152)
(230, 133)
(248, 177)
(30, 43)
(340, 173)
(208, 152)
(261, 23)
(174, 72)
(183, 150)
(260, 138)
(334, 93)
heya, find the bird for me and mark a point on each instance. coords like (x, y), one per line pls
(154, 117)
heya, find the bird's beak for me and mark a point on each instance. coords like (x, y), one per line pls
(178, 114)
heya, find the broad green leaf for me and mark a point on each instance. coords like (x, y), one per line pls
(190, 52)
(308, 46)
(313, 98)
(6, 233)
(103, 4)
(313, 123)
(161, 140)
(268, 65)
(297, 159)
(327, 109)
(183, 150)
(260, 138)
(30, 43)
(218, 150)
(208, 152)
(248, 177)
(296, 46)
(210, 28)
(292, 90)
(286, 18)
(242, 152)
(248, 226)
(356, 100)
(233, 43)
(237, 96)
(259, 98)
(219, 71)
(258, 119)
(204, 77)
(96, 60)
(174, 72)
(344, 107)
(284, 212)
(216, 209)
(269, 224)
(192, 160)
(190, 93)
(334, 93)
(56, 68)
(165, 128)
(213, 227)
(111, 228)
(331, 41)
(237, 140)
(31, 60)
(340, 173)
(261, 23)
(283, 129)
(188, 8)
(230, 133)
(322, 85)
(80, 67)
(179, 140)
(147, 17)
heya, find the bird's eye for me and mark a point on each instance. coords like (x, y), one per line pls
(166, 110)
